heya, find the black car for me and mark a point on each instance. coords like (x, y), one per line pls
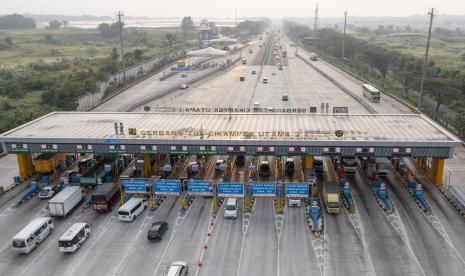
(157, 230)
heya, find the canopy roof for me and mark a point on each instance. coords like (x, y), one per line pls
(207, 52)
(224, 39)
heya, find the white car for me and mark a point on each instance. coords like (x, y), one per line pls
(49, 191)
(184, 86)
(178, 268)
(273, 73)
(294, 202)
(183, 75)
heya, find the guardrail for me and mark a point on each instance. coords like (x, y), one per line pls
(161, 93)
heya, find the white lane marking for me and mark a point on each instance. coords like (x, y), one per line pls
(210, 228)
(148, 216)
(355, 221)
(436, 223)
(278, 223)
(34, 261)
(318, 245)
(179, 220)
(104, 228)
(244, 233)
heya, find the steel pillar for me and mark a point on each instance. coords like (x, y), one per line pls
(309, 162)
(24, 165)
(437, 167)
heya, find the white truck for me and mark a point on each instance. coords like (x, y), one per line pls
(65, 201)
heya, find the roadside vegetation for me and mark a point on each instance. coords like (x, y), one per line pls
(395, 67)
(42, 70)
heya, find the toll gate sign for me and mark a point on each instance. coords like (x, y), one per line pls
(135, 185)
(230, 189)
(202, 188)
(263, 189)
(167, 187)
(296, 190)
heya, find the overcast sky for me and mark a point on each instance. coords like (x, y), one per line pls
(223, 8)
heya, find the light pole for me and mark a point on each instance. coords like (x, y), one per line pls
(425, 62)
(344, 37)
(120, 14)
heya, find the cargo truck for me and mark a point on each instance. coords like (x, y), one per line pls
(105, 197)
(331, 197)
(350, 166)
(180, 63)
(47, 162)
(65, 201)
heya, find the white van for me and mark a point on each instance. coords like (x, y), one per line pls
(132, 208)
(265, 80)
(230, 209)
(72, 239)
(31, 235)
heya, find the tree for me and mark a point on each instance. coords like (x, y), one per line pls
(441, 90)
(8, 40)
(114, 54)
(171, 39)
(54, 24)
(187, 24)
(407, 72)
(49, 39)
(109, 31)
(16, 21)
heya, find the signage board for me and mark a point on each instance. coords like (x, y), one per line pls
(230, 189)
(198, 187)
(263, 189)
(340, 109)
(181, 69)
(296, 189)
(167, 187)
(135, 185)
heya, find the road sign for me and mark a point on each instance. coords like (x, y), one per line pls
(230, 189)
(196, 187)
(134, 185)
(179, 69)
(263, 189)
(167, 187)
(296, 189)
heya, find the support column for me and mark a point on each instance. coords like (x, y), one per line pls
(147, 172)
(438, 169)
(309, 162)
(24, 165)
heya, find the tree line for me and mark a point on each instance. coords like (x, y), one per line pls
(393, 71)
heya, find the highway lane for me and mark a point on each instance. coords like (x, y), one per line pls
(433, 252)
(388, 251)
(190, 235)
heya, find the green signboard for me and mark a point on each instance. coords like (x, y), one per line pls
(19, 150)
(49, 151)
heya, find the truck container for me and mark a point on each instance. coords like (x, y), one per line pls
(382, 166)
(65, 201)
(46, 162)
(350, 166)
(331, 197)
(180, 63)
(104, 198)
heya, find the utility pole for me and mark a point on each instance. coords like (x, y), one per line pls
(344, 37)
(120, 14)
(235, 24)
(425, 62)
(315, 24)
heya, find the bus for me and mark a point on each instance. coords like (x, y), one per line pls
(72, 239)
(372, 93)
(31, 235)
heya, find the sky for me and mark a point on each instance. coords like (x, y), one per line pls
(223, 8)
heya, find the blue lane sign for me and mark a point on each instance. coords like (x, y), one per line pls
(296, 190)
(111, 141)
(134, 185)
(263, 189)
(167, 187)
(179, 69)
(196, 187)
(230, 189)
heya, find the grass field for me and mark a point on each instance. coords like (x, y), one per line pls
(31, 45)
(445, 53)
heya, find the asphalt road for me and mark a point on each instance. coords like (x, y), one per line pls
(256, 243)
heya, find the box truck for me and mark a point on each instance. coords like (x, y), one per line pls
(65, 201)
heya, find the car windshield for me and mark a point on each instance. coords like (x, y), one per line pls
(123, 213)
(350, 163)
(19, 244)
(230, 207)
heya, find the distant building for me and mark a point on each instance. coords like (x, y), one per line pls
(207, 30)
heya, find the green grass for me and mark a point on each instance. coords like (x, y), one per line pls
(445, 53)
(30, 45)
